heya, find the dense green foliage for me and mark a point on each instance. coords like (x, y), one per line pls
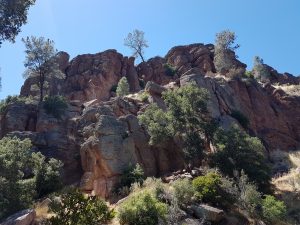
(10, 99)
(48, 177)
(237, 151)
(186, 118)
(241, 118)
(41, 61)
(19, 168)
(207, 187)
(55, 105)
(13, 14)
(133, 174)
(77, 209)
(183, 191)
(273, 210)
(260, 70)
(169, 70)
(224, 48)
(248, 197)
(123, 87)
(142, 209)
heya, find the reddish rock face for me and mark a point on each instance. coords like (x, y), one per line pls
(273, 115)
(113, 140)
(105, 131)
(192, 56)
(90, 76)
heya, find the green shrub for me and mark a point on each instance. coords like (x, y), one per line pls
(123, 87)
(144, 96)
(248, 196)
(142, 209)
(241, 118)
(19, 168)
(77, 209)
(10, 99)
(169, 70)
(183, 191)
(249, 74)
(208, 187)
(273, 210)
(133, 174)
(48, 178)
(186, 111)
(55, 105)
(237, 151)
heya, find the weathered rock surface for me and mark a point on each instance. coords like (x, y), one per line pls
(24, 217)
(104, 131)
(89, 76)
(273, 116)
(208, 212)
(113, 140)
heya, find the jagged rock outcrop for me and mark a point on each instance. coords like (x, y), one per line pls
(89, 76)
(24, 217)
(273, 115)
(104, 132)
(278, 78)
(52, 136)
(113, 140)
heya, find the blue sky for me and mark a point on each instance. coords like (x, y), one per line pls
(269, 29)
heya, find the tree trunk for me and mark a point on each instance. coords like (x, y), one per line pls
(141, 55)
(41, 87)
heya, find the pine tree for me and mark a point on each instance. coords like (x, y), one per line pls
(123, 87)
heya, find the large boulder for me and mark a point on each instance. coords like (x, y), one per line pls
(112, 140)
(18, 116)
(208, 213)
(89, 76)
(200, 56)
(25, 217)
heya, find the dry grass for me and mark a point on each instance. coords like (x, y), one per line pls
(291, 180)
(293, 90)
(288, 185)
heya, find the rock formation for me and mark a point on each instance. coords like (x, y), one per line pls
(99, 135)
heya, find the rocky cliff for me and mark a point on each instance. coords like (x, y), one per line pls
(99, 135)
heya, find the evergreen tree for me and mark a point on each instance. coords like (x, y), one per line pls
(224, 51)
(41, 61)
(123, 87)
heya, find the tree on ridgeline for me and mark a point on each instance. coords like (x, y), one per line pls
(137, 43)
(224, 49)
(41, 61)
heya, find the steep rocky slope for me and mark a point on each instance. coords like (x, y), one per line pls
(99, 135)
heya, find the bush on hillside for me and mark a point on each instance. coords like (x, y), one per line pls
(19, 168)
(248, 198)
(237, 151)
(133, 174)
(208, 187)
(142, 209)
(55, 105)
(123, 87)
(183, 191)
(273, 210)
(186, 118)
(11, 99)
(169, 70)
(77, 209)
(48, 178)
